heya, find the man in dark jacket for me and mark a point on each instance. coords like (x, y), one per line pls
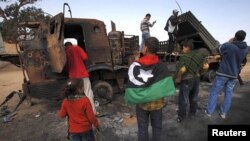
(172, 29)
(232, 55)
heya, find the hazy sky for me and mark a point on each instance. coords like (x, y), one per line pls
(222, 18)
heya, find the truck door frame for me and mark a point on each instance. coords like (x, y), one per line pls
(55, 39)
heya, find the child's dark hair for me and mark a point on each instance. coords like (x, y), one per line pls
(188, 43)
(73, 87)
(153, 44)
(68, 44)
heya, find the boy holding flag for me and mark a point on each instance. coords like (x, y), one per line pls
(149, 82)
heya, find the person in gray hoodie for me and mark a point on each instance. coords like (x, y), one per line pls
(232, 55)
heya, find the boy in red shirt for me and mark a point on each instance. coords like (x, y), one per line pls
(77, 107)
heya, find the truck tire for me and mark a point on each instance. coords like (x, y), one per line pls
(211, 75)
(103, 90)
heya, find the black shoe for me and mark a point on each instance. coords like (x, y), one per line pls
(192, 113)
(191, 116)
(180, 120)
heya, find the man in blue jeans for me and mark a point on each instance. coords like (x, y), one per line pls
(232, 54)
(145, 24)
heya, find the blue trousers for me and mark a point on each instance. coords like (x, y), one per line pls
(145, 36)
(86, 136)
(143, 117)
(221, 83)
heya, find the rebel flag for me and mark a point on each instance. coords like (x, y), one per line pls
(148, 83)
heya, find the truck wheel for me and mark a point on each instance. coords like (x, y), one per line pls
(211, 75)
(103, 90)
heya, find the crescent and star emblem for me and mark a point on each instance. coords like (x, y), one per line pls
(145, 75)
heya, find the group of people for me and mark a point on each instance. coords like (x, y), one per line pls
(171, 27)
(149, 83)
(187, 76)
(190, 66)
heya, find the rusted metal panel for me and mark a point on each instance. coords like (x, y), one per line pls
(35, 62)
(117, 46)
(55, 43)
(95, 39)
(57, 55)
(13, 58)
(49, 89)
(131, 44)
(44, 57)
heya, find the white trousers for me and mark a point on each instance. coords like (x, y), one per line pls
(88, 92)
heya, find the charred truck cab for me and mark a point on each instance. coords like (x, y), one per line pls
(43, 59)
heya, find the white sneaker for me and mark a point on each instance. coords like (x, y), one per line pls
(223, 115)
(209, 115)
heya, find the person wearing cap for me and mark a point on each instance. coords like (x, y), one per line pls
(189, 67)
(233, 54)
(172, 28)
(76, 69)
(145, 24)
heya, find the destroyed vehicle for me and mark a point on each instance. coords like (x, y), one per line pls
(191, 28)
(43, 59)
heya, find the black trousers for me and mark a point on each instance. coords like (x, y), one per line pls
(188, 97)
(171, 41)
(143, 117)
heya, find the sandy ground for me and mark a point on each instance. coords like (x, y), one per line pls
(40, 122)
(10, 48)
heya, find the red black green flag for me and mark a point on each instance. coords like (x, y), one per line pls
(148, 83)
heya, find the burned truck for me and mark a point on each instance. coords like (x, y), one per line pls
(43, 59)
(191, 28)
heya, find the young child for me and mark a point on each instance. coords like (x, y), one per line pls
(77, 107)
(189, 67)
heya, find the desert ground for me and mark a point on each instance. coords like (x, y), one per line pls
(40, 122)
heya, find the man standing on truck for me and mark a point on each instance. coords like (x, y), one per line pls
(77, 69)
(232, 55)
(172, 29)
(145, 24)
(190, 65)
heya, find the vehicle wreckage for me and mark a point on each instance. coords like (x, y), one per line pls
(43, 58)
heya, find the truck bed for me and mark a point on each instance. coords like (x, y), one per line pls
(191, 28)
